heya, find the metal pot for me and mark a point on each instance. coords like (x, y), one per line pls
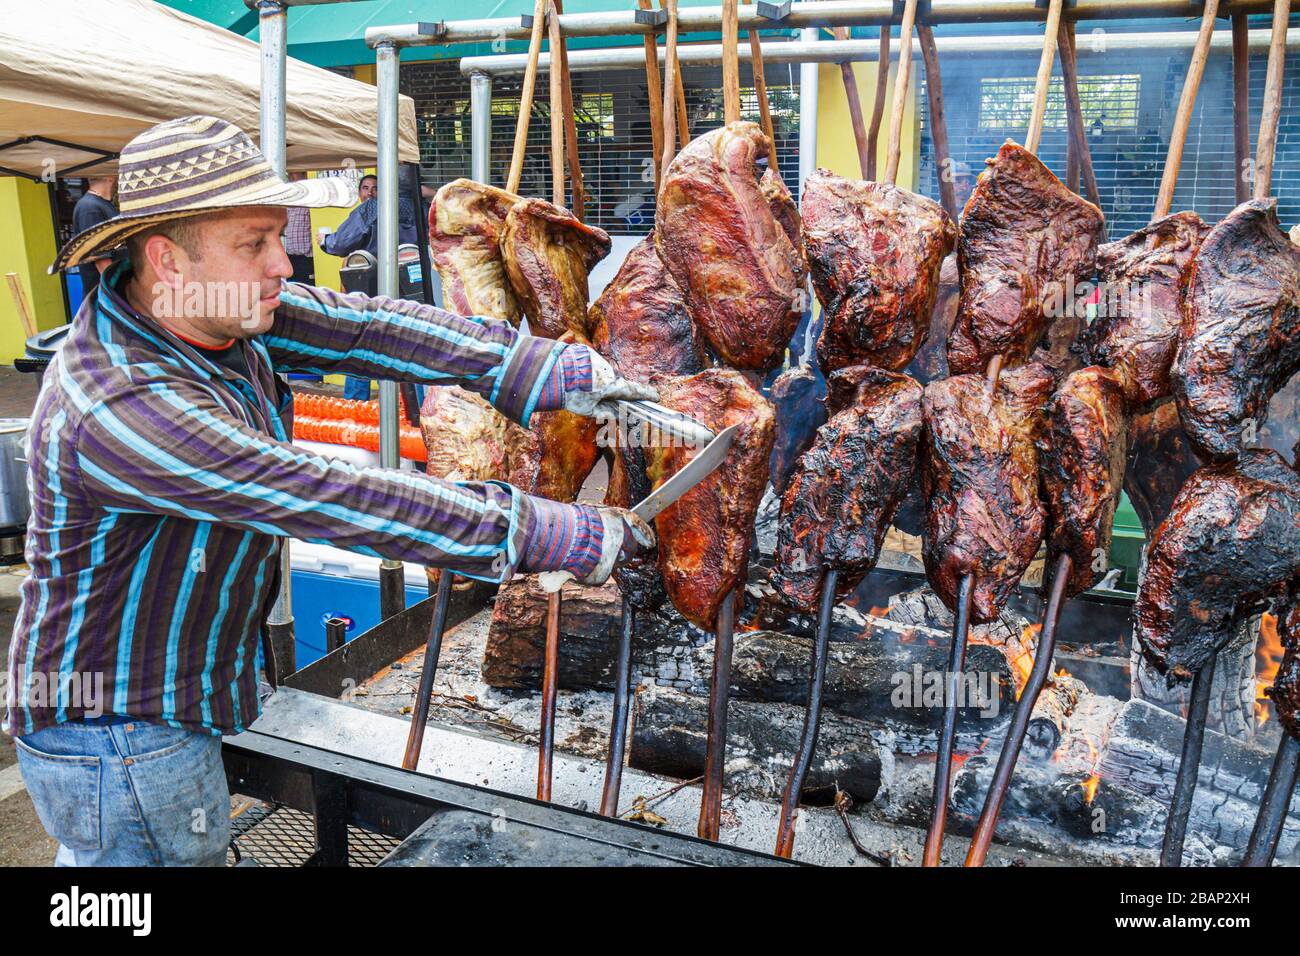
(14, 506)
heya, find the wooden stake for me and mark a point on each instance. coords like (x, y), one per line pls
(655, 95)
(1266, 145)
(730, 62)
(938, 122)
(20, 303)
(1080, 152)
(900, 92)
(760, 90)
(1183, 118)
(671, 81)
(878, 108)
(855, 111)
(579, 204)
(1044, 76)
(1241, 102)
(557, 108)
(526, 98)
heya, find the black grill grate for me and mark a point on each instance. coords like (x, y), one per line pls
(278, 836)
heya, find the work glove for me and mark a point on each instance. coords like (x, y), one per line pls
(584, 542)
(591, 386)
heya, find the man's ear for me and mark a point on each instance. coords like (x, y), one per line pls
(168, 261)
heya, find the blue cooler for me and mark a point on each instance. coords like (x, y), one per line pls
(329, 582)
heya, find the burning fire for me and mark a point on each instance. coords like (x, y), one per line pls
(1268, 659)
(1090, 788)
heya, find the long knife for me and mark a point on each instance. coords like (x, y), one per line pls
(696, 470)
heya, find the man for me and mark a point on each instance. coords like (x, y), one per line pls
(95, 206)
(361, 231)
(297, 239)
(162, 478)
(367, 188)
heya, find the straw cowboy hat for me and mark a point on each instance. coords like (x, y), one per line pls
(187, 167)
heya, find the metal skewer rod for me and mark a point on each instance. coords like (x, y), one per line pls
(1044, 78)
(811, 719)
(878, 108)
(1015, 739)
(432, 651)
(618, 721)
(550, 688)
(901, 84)
(947, 737)
(1198, 708)
(719, 696)
(1275, 803)
(854, 103)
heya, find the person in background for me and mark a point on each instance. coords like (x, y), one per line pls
(366, 188)
(297, 239)
(94, 207)
(361, 231)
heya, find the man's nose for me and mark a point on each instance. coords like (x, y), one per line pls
(279, 267)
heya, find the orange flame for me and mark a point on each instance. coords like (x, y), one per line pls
(1090, 788)
(1268, 660)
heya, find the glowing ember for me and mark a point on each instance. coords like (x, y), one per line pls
(1090, 788)
(1268, 658)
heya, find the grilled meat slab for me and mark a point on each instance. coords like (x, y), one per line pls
(1140, 312)
(843, 495)
(1232, 537)
(640, 321)
(553, 457)
(1082, 455)
(704, 536)
(1160, 459)
(979, 469)
(797, 395)
(1240, 338)
(732, 256)
(1023, 235)
(548, 254)
(875, 251)
(465, 225)
(464, 435)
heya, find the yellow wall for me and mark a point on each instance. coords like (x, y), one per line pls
(836, 148)
(27, 248)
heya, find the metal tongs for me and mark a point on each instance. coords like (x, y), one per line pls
(672, 423)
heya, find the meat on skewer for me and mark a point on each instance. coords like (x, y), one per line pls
(1240, 339)
(980, 478)
(847, 487)
(1160, 459)
(466, 221)
(548, 254)
(1136, 329)
(554, 455)
(1082, 456)
(1232, 536)
(1023, 235)
(875, 251)
(797, 395)
(704, 537)
(733, 256)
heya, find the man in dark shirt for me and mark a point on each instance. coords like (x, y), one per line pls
(94, 207)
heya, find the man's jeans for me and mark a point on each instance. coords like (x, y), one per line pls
(121, 792)
(357, 389)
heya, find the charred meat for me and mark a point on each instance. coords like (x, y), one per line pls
(847, 487)
(554, 455)
(465, 226)
(1231, 539)
(875, 251)
(797, 395)
(1082, 455)
(1240, 338)
(704, 536)
(548, 254)
(732, 255)
(640, 321)
(1160, 459)
(1023, 235)
(979, 470)
(1140, 311)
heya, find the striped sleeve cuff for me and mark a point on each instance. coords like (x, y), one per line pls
(560, 537)
(516, 389)
(572, 373)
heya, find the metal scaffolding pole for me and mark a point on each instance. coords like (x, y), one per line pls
(480, 120)
(392, 574)
(274, 44)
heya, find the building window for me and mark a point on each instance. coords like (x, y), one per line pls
(1109, 101)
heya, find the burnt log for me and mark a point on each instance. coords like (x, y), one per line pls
(1050, 717)
(669, 734)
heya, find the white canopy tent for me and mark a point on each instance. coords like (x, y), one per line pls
(84, 78)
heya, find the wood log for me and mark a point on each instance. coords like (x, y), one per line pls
(669, 737)
(1050, 717)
